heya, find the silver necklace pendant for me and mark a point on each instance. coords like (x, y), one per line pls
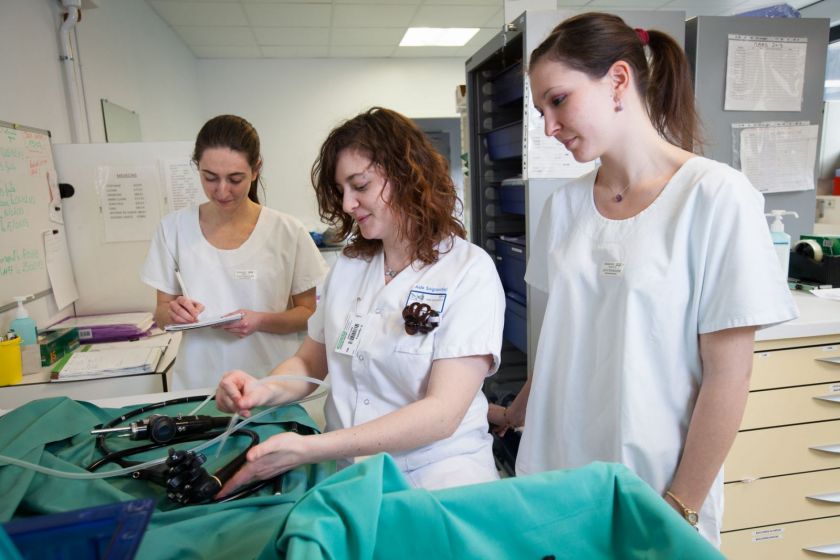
(390, 273)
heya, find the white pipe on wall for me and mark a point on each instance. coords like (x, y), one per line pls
(69, 71)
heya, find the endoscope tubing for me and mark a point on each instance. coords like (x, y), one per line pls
(128, 470)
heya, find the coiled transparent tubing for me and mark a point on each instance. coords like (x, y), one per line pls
(232, 427)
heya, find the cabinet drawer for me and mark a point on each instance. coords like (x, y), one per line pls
(782, 499)
(776, 451)
(796, 405)
(782, 542)
(798, 366)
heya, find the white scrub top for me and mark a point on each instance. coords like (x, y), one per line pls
(618, 367)
(390, 369)
(279, 259)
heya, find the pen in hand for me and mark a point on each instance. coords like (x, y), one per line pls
(184, 289)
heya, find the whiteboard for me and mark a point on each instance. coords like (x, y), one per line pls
(108, 273)
(30, 207)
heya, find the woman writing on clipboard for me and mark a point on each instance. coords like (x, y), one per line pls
(232, 255)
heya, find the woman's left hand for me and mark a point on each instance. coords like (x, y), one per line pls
(274, 456)
(248, 324)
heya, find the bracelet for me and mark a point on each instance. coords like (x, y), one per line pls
(504, 415)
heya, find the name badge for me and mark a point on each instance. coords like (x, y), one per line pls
(433, 297)
(612, 268)
(351, 335)
(245, 274)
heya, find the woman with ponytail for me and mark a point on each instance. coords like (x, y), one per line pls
(659, 269)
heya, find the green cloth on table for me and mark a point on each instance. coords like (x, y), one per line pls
(599, 511)
(55, 433)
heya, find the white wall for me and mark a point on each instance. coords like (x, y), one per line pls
(294, 104)
(128, 55)
(132, 58)
(32, 91)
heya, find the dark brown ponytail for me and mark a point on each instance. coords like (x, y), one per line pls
(592, 42)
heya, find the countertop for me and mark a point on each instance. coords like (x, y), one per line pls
(817, 317)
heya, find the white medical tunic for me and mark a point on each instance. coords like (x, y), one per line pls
(618, 366)
(389, 369)
(277, 260)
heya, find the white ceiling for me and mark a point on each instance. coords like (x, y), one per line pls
(370, 28)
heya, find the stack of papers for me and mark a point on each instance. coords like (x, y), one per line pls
(215, 321)
(104, 328)
(108, 362)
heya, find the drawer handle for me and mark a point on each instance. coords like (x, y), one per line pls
(833, 360)
(827, 549)
(831, 397)
(832, 497)
(835, 448)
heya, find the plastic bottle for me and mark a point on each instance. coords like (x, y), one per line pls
(781, 240)
(24, 325)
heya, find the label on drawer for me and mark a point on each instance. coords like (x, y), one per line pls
(769, 534)
(834, 387)
(764, 355)
(829, 348)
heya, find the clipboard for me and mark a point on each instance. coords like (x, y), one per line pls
(205, 323)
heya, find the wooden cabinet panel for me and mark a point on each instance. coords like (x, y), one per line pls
(782, 499)
(782, 542)
(778, 451)
(798, 366)
(796, 405)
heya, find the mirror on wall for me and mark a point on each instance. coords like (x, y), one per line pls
(121, 124)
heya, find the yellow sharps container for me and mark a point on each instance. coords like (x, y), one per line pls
(11, 365)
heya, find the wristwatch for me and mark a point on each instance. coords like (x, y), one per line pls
(690, 515)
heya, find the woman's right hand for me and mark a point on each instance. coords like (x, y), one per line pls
(184, 310)
(240, 392)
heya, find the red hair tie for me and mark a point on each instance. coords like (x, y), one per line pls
(643, 36)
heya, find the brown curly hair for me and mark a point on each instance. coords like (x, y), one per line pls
(423, 195)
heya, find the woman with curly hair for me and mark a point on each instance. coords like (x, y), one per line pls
(409, 321)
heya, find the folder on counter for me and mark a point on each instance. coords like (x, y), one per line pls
(92, 363)
(110, 327)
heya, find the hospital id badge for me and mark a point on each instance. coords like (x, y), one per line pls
(351, 335)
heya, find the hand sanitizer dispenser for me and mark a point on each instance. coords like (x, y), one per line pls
(23, 325)
(781, 240)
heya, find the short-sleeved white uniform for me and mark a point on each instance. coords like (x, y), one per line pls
(618, 367)
(390, 369)
(277, 261)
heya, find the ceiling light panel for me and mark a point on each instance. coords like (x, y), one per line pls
(437, 36)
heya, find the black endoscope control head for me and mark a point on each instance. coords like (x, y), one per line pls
(187, 481)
